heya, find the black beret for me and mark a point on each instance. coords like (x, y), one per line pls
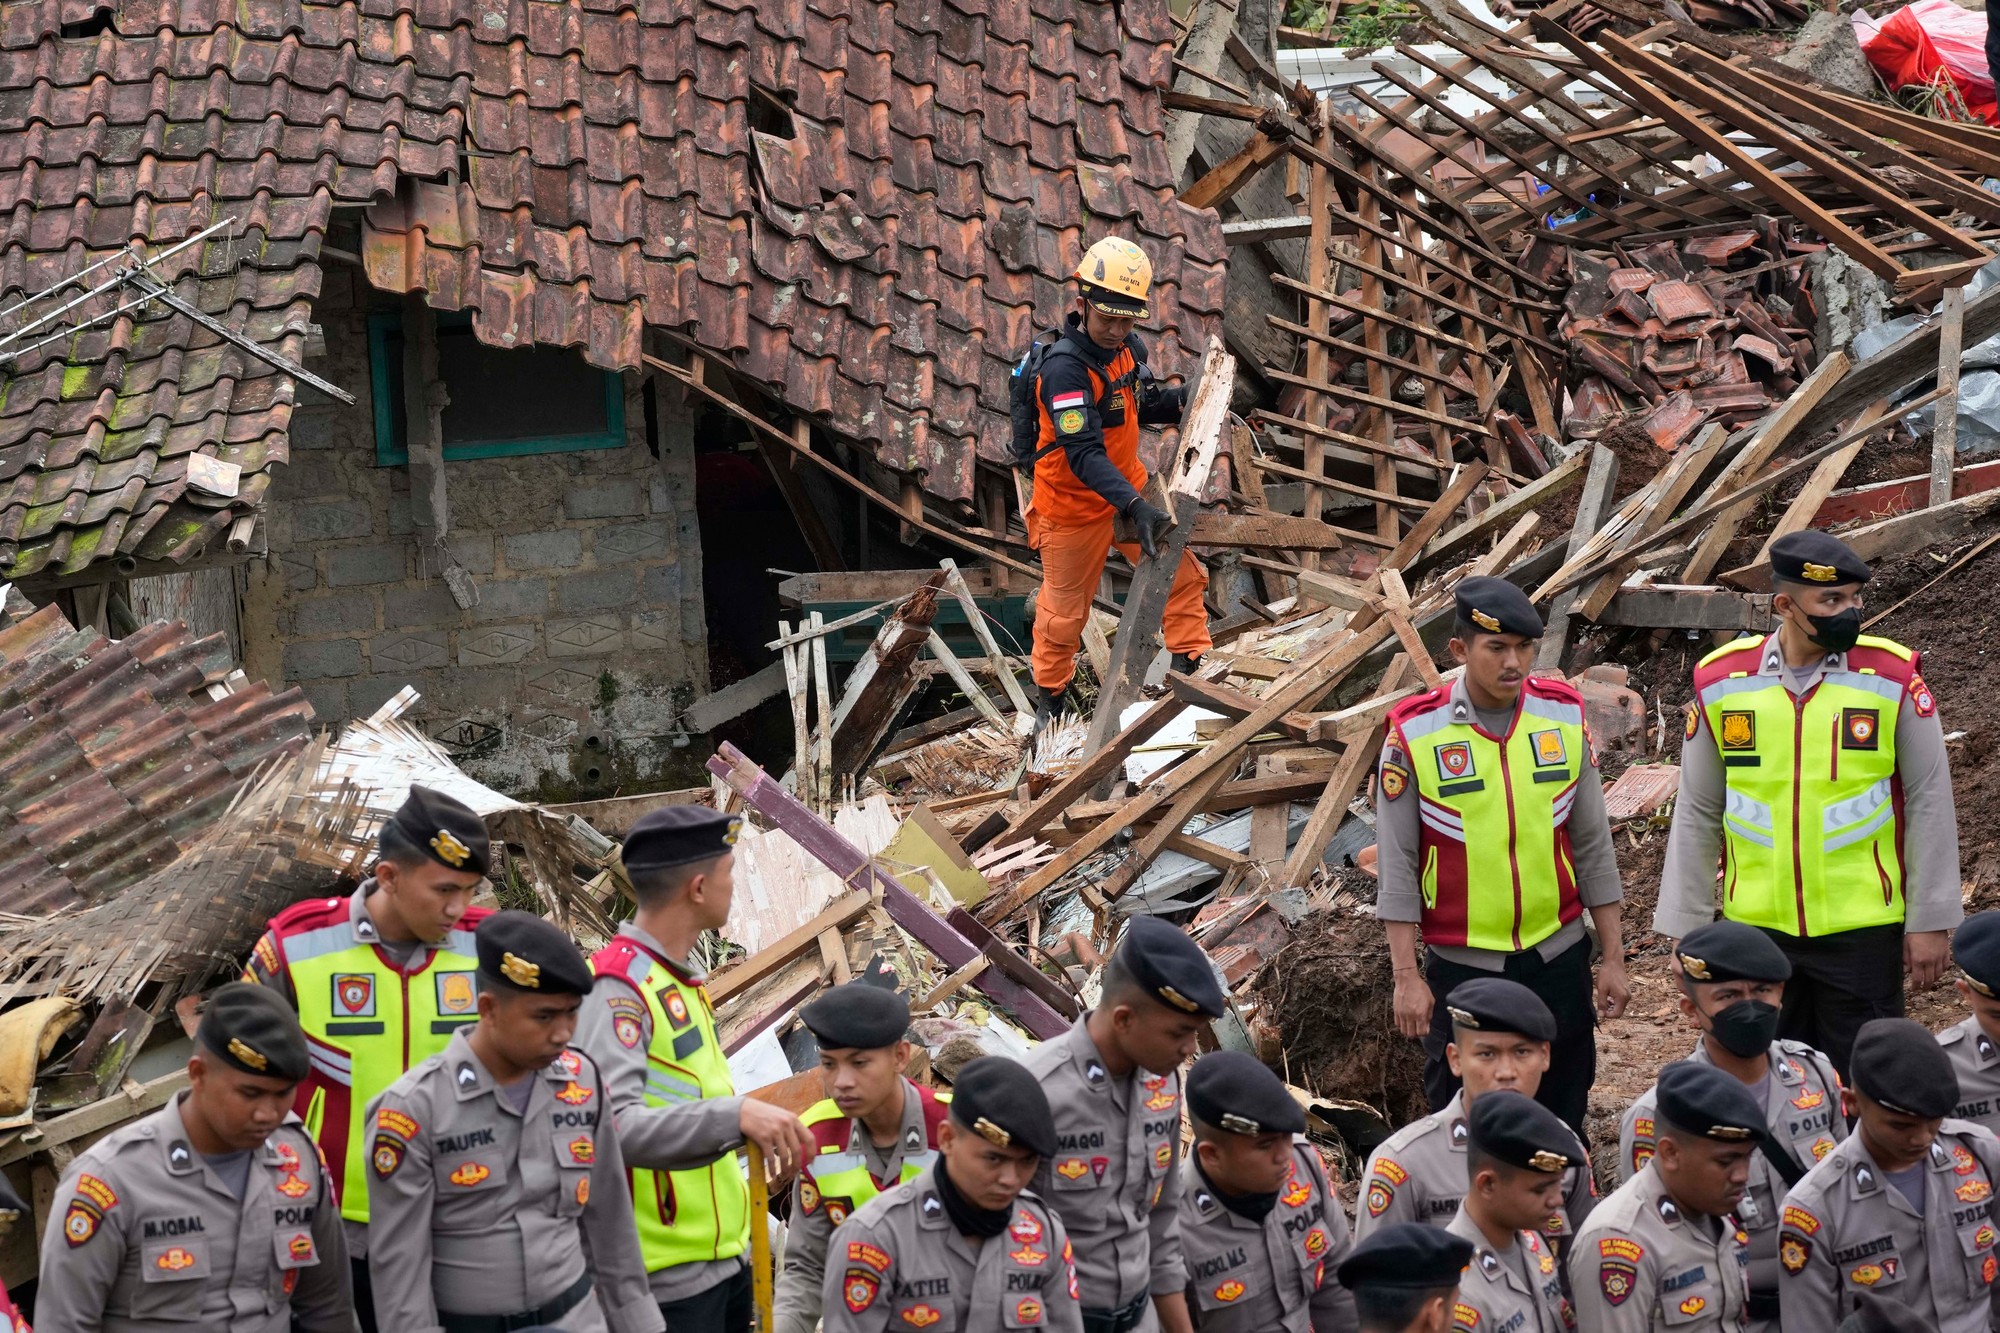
(1874, 1313)
(1732, 951)
(1494, 1004)
(1239, 1093)
(520, 951)
(1702, 1100)
(1898, 1063)
(442, 827)
(252, 1029)
(1815, 558)
(1976, 947)
(1496, 607)
(1407, 1255)
(857, 1016)
(679, 835)
(1000, 1101)
(1171, 967)
(1522, 1132)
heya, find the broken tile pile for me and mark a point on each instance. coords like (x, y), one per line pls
(1716, 327)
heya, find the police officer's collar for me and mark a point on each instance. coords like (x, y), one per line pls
(177, 1151)
(1771, 659)
(930, 1208)
(686, 969)
(1465, 713)
(1492, 1265)
(1984, 1049)
(1451, 1120)
(1784, 1069)
(468, 1077)
(358, 919)
(1084, 1055)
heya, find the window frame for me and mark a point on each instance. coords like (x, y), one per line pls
(382, 323)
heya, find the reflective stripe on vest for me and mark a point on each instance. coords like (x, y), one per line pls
(1474, 789)
(688, 1216)
(1812, 834)
(838, 1173)
(365, 1024)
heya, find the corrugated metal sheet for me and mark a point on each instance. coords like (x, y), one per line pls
(113, 757)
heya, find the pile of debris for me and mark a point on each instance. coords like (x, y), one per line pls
(1713, 327)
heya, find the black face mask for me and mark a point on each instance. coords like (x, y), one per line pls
(1249, 1207)
(1746, 1028)
(971, 1220)
(1835, 633)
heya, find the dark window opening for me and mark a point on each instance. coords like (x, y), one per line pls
(100, 21)
(504, 401)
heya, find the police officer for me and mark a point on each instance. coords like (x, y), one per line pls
(1823, 747)
(874, 1129)
(651, 1029)
(1880, 1314)
(1662, 1251)
(1903, 1206)
(1518, 1153)
(1732, 984)
(491, 1168)
(1093, 393)
(1974, 1044)
(212, 1212)
(963, 1246)
(1261, 1225)
(1500, 1039)
(380, 979)
(1405, 1278)
(1115, 1172)
(1476, 771)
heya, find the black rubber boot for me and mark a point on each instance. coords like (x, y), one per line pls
(1184, 664)
(1048, 706)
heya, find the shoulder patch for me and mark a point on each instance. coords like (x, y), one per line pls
(1693, 719)
(390, 1120)
(1921, 698)
(1794, 1252)
(1799, 1219)
(1464, 1316)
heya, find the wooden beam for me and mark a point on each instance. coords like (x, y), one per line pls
(1100, 763)
(1944, 433)
(1591, 511)
(773, 957)
(1688, 608)
(1331, 808)
(1503, 511)
(1223, 181)
(1663, 495)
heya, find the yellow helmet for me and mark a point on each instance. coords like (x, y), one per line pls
(1116, 275)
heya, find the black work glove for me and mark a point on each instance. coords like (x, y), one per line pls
(1152, 523)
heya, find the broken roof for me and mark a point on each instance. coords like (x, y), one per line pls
(866, 207)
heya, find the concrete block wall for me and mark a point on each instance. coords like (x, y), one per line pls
(588, 636)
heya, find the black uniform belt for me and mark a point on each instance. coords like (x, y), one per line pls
(1116, 1321)
(1763, 1304)
(546, 1313)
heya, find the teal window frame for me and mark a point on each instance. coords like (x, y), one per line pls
(383, 323)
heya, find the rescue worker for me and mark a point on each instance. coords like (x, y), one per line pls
(380, 980)
(1500, 1039)
(1732, 980)
(1517, 1155)
(1261, 1225)
(1974, 1044)
(1662, 1251)
(1815, 760)
(1113, 1084)
(876, 1128)
(1094, 392)
(213, 1212)
(963, 1246)
(498, 1196)
(651, 1029)
(1904, 1206)
(1493, 762)
(1405, 1278)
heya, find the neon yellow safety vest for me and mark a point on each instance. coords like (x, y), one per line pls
(703, 1213)
(838, 1177)
(1812, 834)
(366, 1022)
(1493, 814)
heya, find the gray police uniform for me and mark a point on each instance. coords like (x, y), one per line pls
(1802, 1110)
(1846, 1229)
(1518, 1290)
(1640, 1264)
(1418, 1175)
(491, 1207)
(796, 1308)
(898, 1263)
(1115, 1175)
(1975, 1058)
(1273, 1276)
(144, 1233)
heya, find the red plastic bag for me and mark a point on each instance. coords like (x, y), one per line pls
(1932, 40)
